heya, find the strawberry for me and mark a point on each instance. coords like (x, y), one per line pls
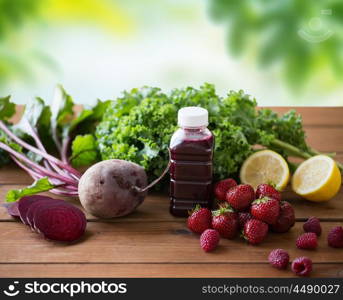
(286, 218)
(266, 209)
(313, 225)
(255, 231)
(209, 240)
(225, 221)
(199, 219)
(267, 190)
(222, 186)
(243, 217)
(307, 240)
(240, 196)
(335, 237)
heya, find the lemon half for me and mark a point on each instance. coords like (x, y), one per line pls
(265, 166)
(317, 179)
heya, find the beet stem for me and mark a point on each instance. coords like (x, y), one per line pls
(47, 156)
(40, 146)
(37, 167)
(142, 190)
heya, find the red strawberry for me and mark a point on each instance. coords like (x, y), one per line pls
(225, 221)
(243, 217)
(307, 240)
(266, 209)
(313, 225)
(209, 240)
(335, 237)
(302, 266)
(199, 219)
(268, 190)
(222, 186)
(240, 196)
(279, 258)
(255, 231)
(286, 218)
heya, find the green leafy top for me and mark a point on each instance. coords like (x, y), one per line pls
(138, 127)
(39, 186)
(7, 108)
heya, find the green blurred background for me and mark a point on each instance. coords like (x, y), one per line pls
(286, 52)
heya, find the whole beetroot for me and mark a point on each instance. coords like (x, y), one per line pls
(109, 188)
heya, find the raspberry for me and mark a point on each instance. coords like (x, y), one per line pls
(302, 266)
(279, 258)
(313, 225)
(307, 240)
(335, 237)
(209, 240)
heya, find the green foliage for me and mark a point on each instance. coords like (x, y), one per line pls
(39, 186)
(56, 125)
(7, 108)
(84, 150)
(138, 127)
(296, 36)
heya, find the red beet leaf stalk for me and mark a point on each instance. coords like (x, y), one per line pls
(60, 173)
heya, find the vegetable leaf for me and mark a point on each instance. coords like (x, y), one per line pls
(41, 185)
(84, 150)
(36, 113)
(61, 112)
(7, 108)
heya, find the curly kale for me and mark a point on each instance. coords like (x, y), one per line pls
(138, 127)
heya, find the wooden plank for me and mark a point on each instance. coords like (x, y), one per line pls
(156, 207)
(12, 174)
(150, 242)
(328, 116)
(325, 139)
(315, 116)
(159, 270)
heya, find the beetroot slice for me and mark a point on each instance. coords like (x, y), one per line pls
(36, 205)
(60, 222)
(25, 203)
(12, 209)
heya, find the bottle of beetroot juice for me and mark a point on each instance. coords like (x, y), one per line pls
(191, 151)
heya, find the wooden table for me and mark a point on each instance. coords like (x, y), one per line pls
(152, 243)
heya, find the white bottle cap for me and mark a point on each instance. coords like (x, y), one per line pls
(192, 116)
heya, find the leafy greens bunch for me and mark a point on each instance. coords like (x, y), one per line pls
(138, 127)
(44, 129)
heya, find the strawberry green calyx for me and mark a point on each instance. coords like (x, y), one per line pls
(261, 200)
(196, 208)
(222, 210)
(272, 184)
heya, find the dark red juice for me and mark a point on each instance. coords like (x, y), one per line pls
(191, 169)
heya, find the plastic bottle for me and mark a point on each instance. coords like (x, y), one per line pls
(191, 151)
